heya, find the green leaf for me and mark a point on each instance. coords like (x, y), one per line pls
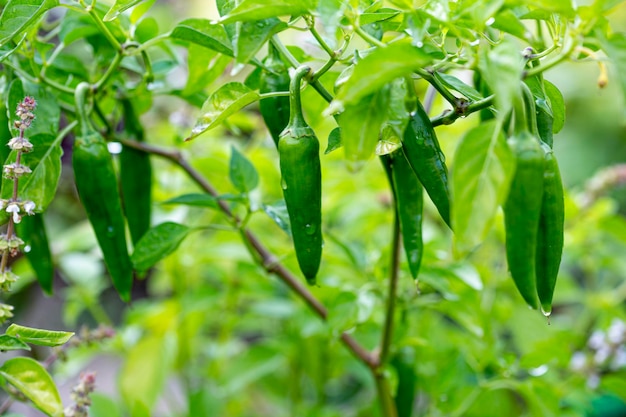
(104, 406)
(204, 33)
(377, 69)
(334, 140)
(144, 373)
(557, 104)
(379, 16)
(32, 230)
(248, 10)
(508, 22)
(329, 14)
(228, 99)
(251, 36)
(278, 213)
(242, 173)
(12, 343)
(199, 200)
(483, 168)
(455, 84)
(19, 15)
(157, 243)
(361, 123)
(45, 162)
(501, 68)
(31, 379)
(39, 337)
(118, 8)
(205, 66)
(615, 48)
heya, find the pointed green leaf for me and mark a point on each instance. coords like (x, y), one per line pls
(32, 231)
(248, 10)
(377, 69)
(204, 66)
(557, 104)
(361, 123)
(31, 379)
(242, 173)
(228, 99)
(251, 36)
(278, 213)
(501, 68)
(455, 84)
(157, 243)
(18, 15)
(483, 168)
(12, 343)
(204, 33)
(199, 200)
(39, 337)
(118, 8)
(334, 140)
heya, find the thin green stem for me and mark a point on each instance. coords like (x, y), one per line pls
(441, 89)
(546, 65)
(109, 72)
(394, 268)
(387, 405)
(310, 21)
(323, 70)
(147, 44)
(105, 31)
(367, 37)
(274, 94)
(449, 117)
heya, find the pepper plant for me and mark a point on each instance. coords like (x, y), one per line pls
(376, 85)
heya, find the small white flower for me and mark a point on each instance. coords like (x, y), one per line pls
(15, 209)
(29, 206)
(578, 361)
(597, 340)
(616, 332)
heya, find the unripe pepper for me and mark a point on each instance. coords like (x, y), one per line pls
(408, 195)
(523, 208)
(97, 188)
(135, 176)
(550, 235)
(275, 110)
(421, 147)
(301, 172)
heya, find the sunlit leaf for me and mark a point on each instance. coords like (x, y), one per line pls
(248, 10)
(361, 123)
(557, 104)
(251, 36)
(455, 84)
(199, 200)
(242, 173)
(39, 337)
(501, 69)
(18, 15)
(157, 243)
(228, 99)
(118, 8)
(12, 343)
(278, 213)
(483, 168)
(377, 69)
(204, 33)
(31, 379)
(334, 140)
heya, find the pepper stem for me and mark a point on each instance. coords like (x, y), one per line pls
(531, 111)
(296, 117)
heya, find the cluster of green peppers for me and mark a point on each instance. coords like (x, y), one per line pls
(534, 210)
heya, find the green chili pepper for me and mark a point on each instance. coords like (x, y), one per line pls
(550, 238)
(408, 195)
(404, 362)
(422, 150)
(523, 207)
(300, 168)
(135, 176)
(275, 110)
(97, 188)
(33, 232)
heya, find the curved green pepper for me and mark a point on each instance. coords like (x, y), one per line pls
(97, 188)
(275, 110)
(408, 194)
(550, 237)
(135, 176)
(301, 172)
(421, 147)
